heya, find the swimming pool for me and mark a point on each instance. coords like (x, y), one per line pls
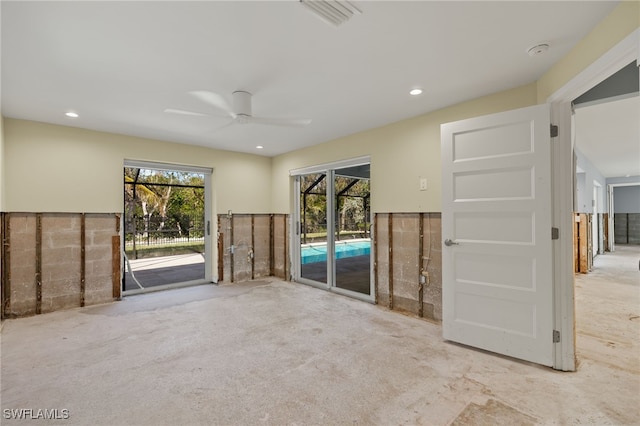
(313, 253)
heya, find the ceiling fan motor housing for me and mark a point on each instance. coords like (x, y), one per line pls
(242, 103)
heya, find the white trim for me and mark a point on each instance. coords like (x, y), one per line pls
(294, 232)
(354, 294)
(563, 171)
(210, 264)
(624, 184)
(562, 178)
(331, 228)
(167, 166)
(340, 164)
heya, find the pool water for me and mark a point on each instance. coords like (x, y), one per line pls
(318, 253)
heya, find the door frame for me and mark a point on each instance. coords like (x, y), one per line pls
(210, 249)
(329, 169)
(562, 172)
(611, 203)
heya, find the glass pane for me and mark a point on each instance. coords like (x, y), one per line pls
(352, 231)
(313, 227)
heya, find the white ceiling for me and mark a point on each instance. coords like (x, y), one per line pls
(608, 134)
(121, 64)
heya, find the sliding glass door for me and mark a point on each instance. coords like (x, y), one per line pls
(352, 243)
(167, 230)
(333, 233)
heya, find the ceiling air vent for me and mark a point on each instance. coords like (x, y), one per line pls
(334, 12)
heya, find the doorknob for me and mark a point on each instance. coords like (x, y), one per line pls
(449, 243)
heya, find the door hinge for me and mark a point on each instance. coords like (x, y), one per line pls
(555, 233)
(556, 336)
(554, 131)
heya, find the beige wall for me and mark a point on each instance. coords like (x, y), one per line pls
(404, 151)
(400, 153)
(64, 169)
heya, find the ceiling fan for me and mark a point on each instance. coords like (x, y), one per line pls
(240, 113)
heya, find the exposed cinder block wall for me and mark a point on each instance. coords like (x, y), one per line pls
(20, 252)
(242, 242)
(408, 247)
(100, 230)
(259, 244)
(55, 261)
(627, 228)
(280, 261)
(61, 259)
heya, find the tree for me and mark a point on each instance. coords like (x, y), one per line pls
(166, 199)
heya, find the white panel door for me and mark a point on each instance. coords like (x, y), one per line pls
(497, 289)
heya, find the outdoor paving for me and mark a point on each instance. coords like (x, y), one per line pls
(158, 271)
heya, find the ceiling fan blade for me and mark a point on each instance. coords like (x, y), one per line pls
(185, 112)
(214, 100)
(289, 122)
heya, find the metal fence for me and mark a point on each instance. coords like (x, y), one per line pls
(158, 231)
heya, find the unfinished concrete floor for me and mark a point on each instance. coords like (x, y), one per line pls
(271, 352)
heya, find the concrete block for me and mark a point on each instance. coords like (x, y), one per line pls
(61, 261)
(224, 227)
(22, 264)
(99, 230)
(281, 246)
(407, 263)
(261, 246)
(633, 228)
(432, 293)
(382, 254)
(242, 243)
(406, 267)
(405, 304)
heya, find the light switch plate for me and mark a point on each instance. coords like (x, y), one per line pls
(423, 184)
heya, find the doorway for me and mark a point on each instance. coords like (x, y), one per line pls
(620, 56)
(165, 231)
(560, 334)
(333, 228)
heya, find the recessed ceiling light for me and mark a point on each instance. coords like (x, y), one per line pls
(259, 147)
(71, 114)
(415, 92)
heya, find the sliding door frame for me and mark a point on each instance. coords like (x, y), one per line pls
(210, 264)
(328, 169)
